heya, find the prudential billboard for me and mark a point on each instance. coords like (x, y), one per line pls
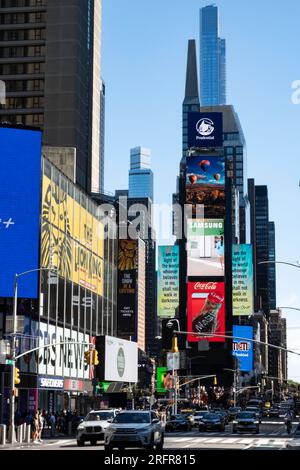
(20, 186)
(205, 130)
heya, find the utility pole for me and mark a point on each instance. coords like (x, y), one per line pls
(12, 433)
(174, 372)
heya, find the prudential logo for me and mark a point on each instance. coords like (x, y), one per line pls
(205, 127)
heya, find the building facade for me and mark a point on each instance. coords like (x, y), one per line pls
(50, 55)
(212, 59)
(140, 174)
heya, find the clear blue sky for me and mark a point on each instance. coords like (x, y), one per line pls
(143, 65)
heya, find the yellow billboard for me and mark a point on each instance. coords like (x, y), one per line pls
(72, 238)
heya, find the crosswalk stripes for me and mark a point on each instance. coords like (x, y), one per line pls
(248, 442)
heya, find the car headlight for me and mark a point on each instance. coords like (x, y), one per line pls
(80, 428)
(234, 422)
(256, 422)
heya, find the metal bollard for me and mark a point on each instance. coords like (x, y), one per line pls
(69, 429)
(28, 434)
(23, 432)
(2, 434)
(19, 430)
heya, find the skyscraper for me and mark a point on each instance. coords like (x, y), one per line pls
(262, 244)
(272, 267)
(50, 62)
(212, 58)
(140, 174)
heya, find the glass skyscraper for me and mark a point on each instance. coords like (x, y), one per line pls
(140, 174)
(212, 59)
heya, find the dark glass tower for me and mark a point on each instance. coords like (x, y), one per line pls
(262, 244)
(272, 267)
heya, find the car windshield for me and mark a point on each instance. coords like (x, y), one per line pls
(211, 416)
(132, 418)
(201, 413)
(99, 416)
(233, 410)
(245, 415)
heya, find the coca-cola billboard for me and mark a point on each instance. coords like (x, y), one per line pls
(206, 311)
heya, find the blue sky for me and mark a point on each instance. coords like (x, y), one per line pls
(143, 65)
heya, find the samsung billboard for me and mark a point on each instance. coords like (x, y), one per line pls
(20, 188)
(242, 347)
(205, 130)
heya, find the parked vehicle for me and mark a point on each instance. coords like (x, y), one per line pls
(178, 423)
(93, 426)
(246, 421)
(211, 422)
(134, 429)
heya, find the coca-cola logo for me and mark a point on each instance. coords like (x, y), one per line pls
(205, 286)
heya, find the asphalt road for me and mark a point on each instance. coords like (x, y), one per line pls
(272, 435)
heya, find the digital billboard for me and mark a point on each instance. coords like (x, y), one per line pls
(205, 130)
(72, 239)
(20, 188)
(206, 310)
(242, 347)
(167, 281)
(161, 373)
(242, 280)
(127, 288)
(205, 184)
(118, 360)
(205, 247)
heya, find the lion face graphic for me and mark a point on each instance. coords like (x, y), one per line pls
(56, 245)
(127, 255)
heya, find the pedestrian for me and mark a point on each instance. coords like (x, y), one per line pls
(52, 422)
(35, 427)
(40, 426)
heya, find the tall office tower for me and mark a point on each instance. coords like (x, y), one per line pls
(140, 174)
(272, 267)
(277, 358)
(191, 102)
(212, 58)
(50, 62)
(262, 245)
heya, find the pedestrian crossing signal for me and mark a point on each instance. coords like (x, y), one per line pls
(17, 376)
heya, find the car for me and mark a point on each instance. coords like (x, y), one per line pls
(211, 422)
(256, 402)
(257, 411)
(233, 411)
(188, 414)
(92, 428)
(177, 423)
(246, 421)
(198, 415)
(223, 413)
(134, 429)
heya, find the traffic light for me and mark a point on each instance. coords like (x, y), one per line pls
(87, 357)
(95, 357)
(215, 381)
(175, 344)
(17, 376)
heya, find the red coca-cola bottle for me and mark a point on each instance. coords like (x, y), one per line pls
(206, 321)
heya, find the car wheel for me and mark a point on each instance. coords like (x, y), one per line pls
(257, 431)
(80, 443)
(234, 431)
(93, 442)
(150, 446)
(160, 446)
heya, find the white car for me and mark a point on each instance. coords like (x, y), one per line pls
(93, 426)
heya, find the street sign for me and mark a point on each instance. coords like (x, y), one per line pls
(9, 362)
(173, 361)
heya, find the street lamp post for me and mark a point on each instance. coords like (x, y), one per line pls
(12, 433)
(234, 384)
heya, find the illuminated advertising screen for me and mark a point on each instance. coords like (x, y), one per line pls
(205, 184)
(72, 239)
(20, 188)
(167, 281)
(242, 280)
(206, 311)
(161, 373)
(242, 347)
(205, 130)
(127, 274)
(205, 247)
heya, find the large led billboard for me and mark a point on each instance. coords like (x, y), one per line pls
(205, 247)
(206, 311)
(242, 280)
(127, 288)
(242, 347)
(205, 130)
(161, 373)
(20, 189)
(167, 281)
(118, 360)
(205, 184)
